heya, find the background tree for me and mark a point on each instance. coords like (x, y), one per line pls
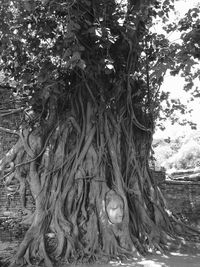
(178, 153)
(180, 57)
(83, 71)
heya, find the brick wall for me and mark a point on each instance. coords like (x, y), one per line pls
(183, 199)
(10, 122)
(159, 176)
(11, 203)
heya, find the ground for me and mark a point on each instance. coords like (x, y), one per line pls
(183, 254)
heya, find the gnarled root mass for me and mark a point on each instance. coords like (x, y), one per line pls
(94, 196)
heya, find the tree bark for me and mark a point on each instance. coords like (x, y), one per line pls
(92, 189)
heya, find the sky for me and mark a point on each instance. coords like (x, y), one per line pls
(175, 85)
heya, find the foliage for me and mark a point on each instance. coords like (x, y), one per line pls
(162, 151)
(44, 42)
(179, 153)
(187, 157)
(45, 35)
(180, 57)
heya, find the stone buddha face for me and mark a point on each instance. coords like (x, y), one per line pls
(114, 207)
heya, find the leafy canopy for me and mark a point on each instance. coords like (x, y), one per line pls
(46, 44)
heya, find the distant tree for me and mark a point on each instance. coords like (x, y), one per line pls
(188, 156)
(162, 152)
(179, 153)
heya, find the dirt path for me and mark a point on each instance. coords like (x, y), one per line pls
(173, 259)
(187, 256)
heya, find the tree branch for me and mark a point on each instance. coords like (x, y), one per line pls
(3, 129)
(6, 112)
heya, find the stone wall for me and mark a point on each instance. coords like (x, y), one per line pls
(10, 122)
(159, 176)
(183, 199)
(11, 202)
(182, 196)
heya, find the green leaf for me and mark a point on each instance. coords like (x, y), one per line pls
(29, 5)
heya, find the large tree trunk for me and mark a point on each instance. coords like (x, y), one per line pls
(89, 176)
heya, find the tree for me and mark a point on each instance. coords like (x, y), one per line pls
(81, 69)
(180, 57)
(178, 153)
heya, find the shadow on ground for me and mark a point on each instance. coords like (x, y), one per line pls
(184, 255)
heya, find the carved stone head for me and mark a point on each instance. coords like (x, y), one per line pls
(114, 207)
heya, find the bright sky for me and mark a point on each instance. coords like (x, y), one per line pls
(174, 85)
